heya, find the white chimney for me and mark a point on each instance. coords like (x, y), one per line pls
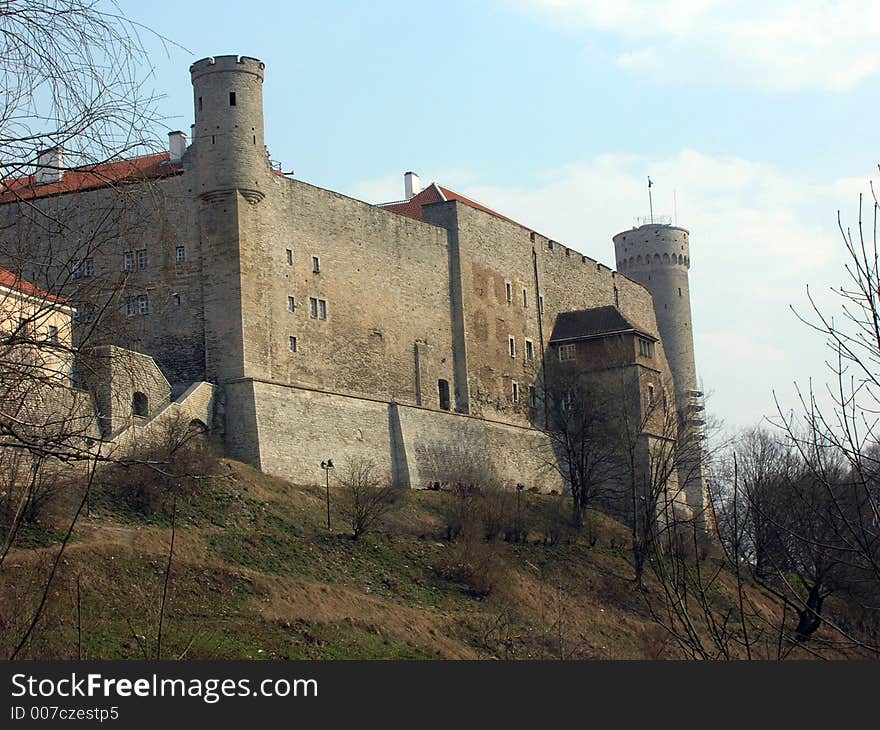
(176, 145)
(411, 184)
(50, 164)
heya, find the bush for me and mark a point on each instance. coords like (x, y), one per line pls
(474, 562)
(151, 475)
(366, 496)
(557, 523)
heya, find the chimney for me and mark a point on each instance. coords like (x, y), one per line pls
(411, 184)
(50, 165)
(176, 145)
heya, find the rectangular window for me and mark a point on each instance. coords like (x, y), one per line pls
(515, 391)
(646, 348)
(143, 304)
(316, 265)
(290, 257)
(142, 259)
(292, 343)
(650, 394)
(509, 291)
(84, 268)
(129, 307)
(53, 334)
(180, 254)
(231, 98)
(533, 397)
(541, 304)
(530, 350)
(291, 304)
(128, 261)
(525, 297)
(317, 308)
(84, 313)
(567, 353)
(511, 343)
(176, 297)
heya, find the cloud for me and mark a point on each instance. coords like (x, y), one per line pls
(777, 45)
(759, 235)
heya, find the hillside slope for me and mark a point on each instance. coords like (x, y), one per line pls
(255, 574)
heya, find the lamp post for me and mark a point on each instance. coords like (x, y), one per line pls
(519, 529)
(327, 466)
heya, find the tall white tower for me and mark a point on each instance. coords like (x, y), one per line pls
(657, 255)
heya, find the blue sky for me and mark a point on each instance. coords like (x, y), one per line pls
(759, 115)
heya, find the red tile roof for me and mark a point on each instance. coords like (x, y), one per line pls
(16, 283)
(435, 193)
(119, 172)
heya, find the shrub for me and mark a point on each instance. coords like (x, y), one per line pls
(150, 475)
(474, 562)
(366, 495)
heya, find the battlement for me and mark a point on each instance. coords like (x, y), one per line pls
(652, 245)
(241, 64)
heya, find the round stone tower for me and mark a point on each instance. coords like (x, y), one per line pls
(228, 141)
(658, 257)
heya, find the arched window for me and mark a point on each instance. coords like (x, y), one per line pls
(443, 390)
(639, 259)
(140, 405)
(666, 258)
(656, 258)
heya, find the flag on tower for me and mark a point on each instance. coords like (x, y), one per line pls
(650, 181)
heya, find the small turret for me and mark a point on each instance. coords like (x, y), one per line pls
(230, 150)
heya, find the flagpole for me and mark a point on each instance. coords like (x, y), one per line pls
(650, 200)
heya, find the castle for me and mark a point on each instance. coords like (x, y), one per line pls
(332, 328)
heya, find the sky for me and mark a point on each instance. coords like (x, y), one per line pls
(756, 120)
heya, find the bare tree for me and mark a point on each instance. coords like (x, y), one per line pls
(586, 451)
(367, 495)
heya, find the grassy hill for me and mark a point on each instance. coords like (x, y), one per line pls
(255, 574)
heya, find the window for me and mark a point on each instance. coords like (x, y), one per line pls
(292, 343)
(84, 313)
(316, 265)
(511, 343)
(180, 254)
(142, 259)
(128, 261)
(291, 304)
(567, 353)
(84, 268)
(200, 103)
(646, 348)
(541, 304)
(290, 257)
(140, 405)
(231, 98)
(143, 304)
(525, 297)
(317, 308)
(530, 350)
(650, 394)
(176, 297)
(129, 307)
(515, 393)
(565, 402)
(509, 291)
(443, 392)
(533, 397)
(53, 334)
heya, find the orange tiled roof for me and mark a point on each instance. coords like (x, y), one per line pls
(435, 193)
(12, 281)
(135, 169)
